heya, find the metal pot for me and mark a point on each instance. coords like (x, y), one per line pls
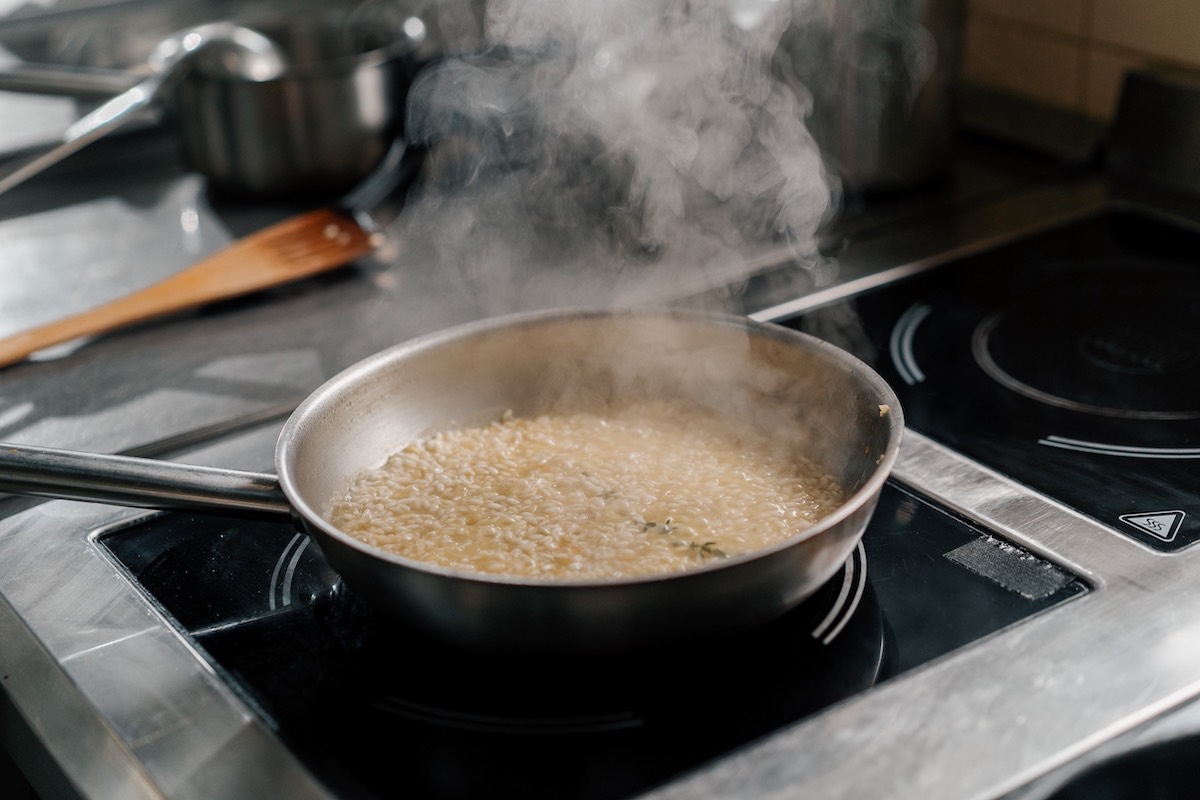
(241, 49)
(321, 125)
(316, 126)
(827, 404)
(881, 76)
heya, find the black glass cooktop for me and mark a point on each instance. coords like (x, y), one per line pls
(378, 711)
(1068, 360)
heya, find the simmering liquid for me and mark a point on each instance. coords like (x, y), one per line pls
(649, 489)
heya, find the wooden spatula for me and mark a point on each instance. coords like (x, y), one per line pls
(298, 247)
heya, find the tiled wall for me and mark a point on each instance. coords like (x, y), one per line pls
(1072, 53)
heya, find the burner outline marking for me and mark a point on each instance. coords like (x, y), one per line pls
(299, 542)
(900, 344)
(483, 723)
(983, 357)
(1124, 451)
(854, 579)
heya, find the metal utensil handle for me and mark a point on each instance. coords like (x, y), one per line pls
(395, 173)
(110, 116)
(59, 79)
(140, 482)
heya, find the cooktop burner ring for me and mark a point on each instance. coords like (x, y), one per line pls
(1073, 342)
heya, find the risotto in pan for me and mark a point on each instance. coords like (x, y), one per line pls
(650, 489)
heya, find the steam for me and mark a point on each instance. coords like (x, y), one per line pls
(870, 66)
(630, 144)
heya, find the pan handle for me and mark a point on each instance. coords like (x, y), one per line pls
(141, 483)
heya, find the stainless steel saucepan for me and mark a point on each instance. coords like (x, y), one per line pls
(288, 99)
(320, 125)
(825, 403)
(239, 49)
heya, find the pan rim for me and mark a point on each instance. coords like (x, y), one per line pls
(337, 385)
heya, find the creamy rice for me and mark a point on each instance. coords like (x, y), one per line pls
(650, 489)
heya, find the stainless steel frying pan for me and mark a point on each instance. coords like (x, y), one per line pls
(824, 402)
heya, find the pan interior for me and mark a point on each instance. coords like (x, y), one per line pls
(818, 399)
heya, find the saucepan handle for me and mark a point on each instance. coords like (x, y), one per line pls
(110, 116)
(140, 482)
(62, 79)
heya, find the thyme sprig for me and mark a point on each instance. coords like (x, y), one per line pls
(666, 528)
(704, 549)
(708, 550)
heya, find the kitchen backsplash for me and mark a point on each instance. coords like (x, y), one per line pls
(1073, 54)
(1069, 54)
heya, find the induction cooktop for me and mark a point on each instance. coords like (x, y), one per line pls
(1068, 360)
(376, 710)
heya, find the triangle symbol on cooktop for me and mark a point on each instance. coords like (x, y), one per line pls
(1159, 524)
